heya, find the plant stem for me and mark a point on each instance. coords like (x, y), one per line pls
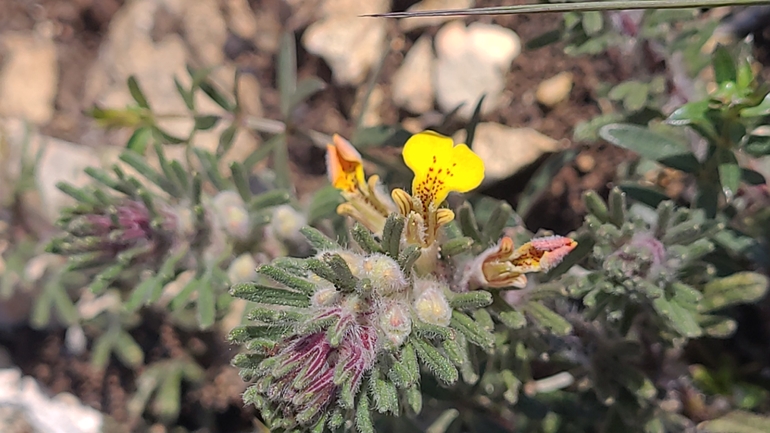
(574, 7)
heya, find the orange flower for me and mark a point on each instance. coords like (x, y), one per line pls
(364, 200)
(504, 266)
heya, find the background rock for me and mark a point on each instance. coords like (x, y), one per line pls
(413, 82)
(27, 409)
(555, 89)
(506, 150)
(29, 75)
(349, 44)
(472, 62)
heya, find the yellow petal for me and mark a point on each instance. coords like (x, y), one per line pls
(344, 165)
(440, 167)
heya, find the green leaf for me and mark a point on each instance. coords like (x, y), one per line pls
(385, 396)
(363, 415)
(456, 246)
(471, 300)
(188, 97)
(206, 306)
(139, 140)
(762, 109)
(211, 91)
(729, 172)
(287, 72)
(269, 295)
(206, 122)
(324, 204)
(593, 22)
(544, 317)
(226, 139)
(739, 288)
(643, 194)
(724, 67)
(318, 240)
(643, 141)
(513, 319)
(127, 350)
(544, 39)
(752, 177)
(305, 89)
(391, 235)
(405, 371)
(136, 92)
(757, 145)
(474, 332)
(436, 362)
(470, 128)
(680, 318)
(736, 422)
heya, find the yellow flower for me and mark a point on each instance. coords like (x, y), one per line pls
(504, 266)
(439, 168)
(364, 200)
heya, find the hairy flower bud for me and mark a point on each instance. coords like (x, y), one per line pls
(231, 214)
(396, 323)
(384, 273)
(242, 269)
(286, 222)
(431, 304)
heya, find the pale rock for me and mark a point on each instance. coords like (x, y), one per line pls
(27, 408)
(555, 89)
(413, 81)
(241, 19)
(472, 62)
(507, 150)
(349, 43)
(29, 76)
(59, 161)
(409, 24)
(206, 31)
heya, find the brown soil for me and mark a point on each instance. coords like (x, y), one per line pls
(80, 25)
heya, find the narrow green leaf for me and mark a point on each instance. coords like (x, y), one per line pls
(643, 141)
(139, 140)
(318, 240)
(592, 22)
(365, 239)
(127, 350)
(441, 367)
(493, 229)
(226, 139)
(287, 72)
(391, 235)
(681, 319)
(474, 332)
(471, 300)
(305, 89)
(363, 415)
(468, 224)
(737, 421)
(187, 96)
(724, 67)
(206, 122)
(739, 288)
(545, 39)
(269, 295)
(729, 172)
(206, 306)
(324, 204)
(546, 318)
(456, 247)
(405, 371)
(136, 92)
